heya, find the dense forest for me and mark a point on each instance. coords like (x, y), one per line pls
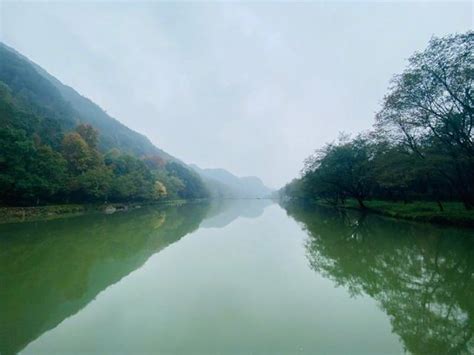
(422, 144)
(58, 147)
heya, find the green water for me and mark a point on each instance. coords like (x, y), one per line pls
(236, 277)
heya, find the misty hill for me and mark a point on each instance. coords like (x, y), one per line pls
(57, 146)
(46, 95)
(222, 183)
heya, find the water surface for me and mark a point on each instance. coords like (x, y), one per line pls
(235, 277)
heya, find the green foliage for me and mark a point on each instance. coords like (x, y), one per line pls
(423, 144)
(430, 110)
(29, 173)
(51, 150)
(132, 179)
(79, 156)
(187, 183)
(343, 169)
(46, 98)
(89, 134)
(33, 173)
(92, 185)
(172, 183)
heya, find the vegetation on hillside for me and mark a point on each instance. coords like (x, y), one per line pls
(50, 154)
(422, 144)
(34, 173)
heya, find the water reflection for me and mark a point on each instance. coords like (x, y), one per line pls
(422, 276)
(259, 293)
(50, 270)
(223, 212)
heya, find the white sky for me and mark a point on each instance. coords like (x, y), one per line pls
(250, 87)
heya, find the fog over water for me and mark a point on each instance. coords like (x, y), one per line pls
(250, 87)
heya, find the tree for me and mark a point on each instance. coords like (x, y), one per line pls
(40, 163)
(50, 168)
(343, 169)
(132, 180)
(160, 190)
(430, 109)
(193, 188)
(29, 173)
(89, 134)
(77, 153)
(93, 185)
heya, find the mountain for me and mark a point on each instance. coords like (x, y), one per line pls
(222, 183)
(57, 146)
(68, 106)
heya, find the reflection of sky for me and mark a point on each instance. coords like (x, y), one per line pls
(266, 83)
(223, 212)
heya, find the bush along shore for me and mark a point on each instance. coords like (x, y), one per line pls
(453, 213)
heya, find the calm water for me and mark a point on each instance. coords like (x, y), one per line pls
(242, 277)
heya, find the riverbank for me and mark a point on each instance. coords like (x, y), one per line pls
(453, 214)
(420, 211)
(29, 214)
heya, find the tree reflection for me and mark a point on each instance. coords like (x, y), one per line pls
(50, 270)
(422, 276)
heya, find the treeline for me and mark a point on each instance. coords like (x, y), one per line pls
(33, 172)
(422, 144)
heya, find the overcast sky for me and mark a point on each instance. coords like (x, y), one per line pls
(250, 87)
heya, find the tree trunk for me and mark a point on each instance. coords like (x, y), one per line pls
(440, 205)
(361, 203)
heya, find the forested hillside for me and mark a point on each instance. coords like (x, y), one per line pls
(422, 144)
(57, 146)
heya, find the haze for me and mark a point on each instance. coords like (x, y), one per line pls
(250, 87)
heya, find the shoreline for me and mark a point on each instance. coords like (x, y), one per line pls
(10, 214)
(454, 214)
(20, 214)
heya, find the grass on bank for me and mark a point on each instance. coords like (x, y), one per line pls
(453, 213)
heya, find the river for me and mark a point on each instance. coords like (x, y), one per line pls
(235, 277)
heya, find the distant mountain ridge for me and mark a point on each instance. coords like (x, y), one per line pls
(224, 184)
